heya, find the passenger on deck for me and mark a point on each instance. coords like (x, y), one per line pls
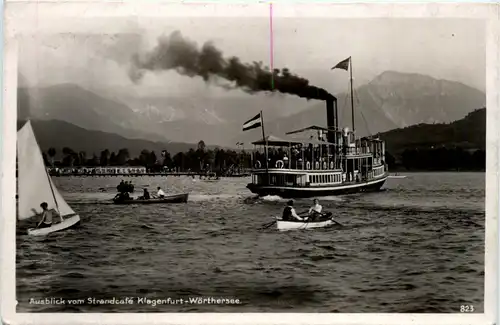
(160, 193)
(289, 213)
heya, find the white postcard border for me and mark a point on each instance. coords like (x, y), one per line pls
(18, 14)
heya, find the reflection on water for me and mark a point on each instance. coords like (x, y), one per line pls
(416, 247)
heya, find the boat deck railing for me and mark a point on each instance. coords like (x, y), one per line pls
(307, 165)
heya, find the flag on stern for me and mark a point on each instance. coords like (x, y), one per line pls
(253, 123)
(344, 65)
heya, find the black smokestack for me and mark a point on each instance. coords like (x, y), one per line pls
(331, 118)
(177, 53)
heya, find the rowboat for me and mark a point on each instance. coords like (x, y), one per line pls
(35, 186)
(283, 225)
(178, 198)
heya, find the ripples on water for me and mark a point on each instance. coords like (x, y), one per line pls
(416, 247)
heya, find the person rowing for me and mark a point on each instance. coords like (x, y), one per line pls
(160, 194)
(145, 195)
(315, 210)
(289, 213)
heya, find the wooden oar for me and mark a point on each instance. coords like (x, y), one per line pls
(338, 223)
(267, 225)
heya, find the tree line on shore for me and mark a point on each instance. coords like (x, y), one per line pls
(438, 159)
(194, 160)
(201, 159)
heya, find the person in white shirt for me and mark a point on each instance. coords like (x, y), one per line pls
(315, 210)
(289, 213)
(160, 193)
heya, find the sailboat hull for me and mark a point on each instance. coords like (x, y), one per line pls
(66, 224)
(307, 192)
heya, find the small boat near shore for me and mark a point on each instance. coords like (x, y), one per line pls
(177, 198)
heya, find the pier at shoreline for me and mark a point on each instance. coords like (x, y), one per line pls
(128, 171)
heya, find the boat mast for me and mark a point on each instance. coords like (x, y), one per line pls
(265, 147)
(52, 189)
(47, 173)
(352, 95)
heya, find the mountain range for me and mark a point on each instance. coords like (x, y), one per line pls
(391, 100)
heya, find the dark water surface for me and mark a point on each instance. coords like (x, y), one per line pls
(416, 247)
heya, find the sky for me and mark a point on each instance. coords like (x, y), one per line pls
(81, 53)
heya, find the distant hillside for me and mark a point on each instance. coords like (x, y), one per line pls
(78, 106)
(467, 133)
(59, 134)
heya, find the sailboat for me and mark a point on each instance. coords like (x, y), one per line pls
(35, 186)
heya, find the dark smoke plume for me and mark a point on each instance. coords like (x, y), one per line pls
(177, 53)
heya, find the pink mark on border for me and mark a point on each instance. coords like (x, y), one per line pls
(271, 43)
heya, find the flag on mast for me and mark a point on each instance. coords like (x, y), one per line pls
(344, 65)
(253, 123)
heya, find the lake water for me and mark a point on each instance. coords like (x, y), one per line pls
(416, 247)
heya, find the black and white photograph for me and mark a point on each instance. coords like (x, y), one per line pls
(266, 163)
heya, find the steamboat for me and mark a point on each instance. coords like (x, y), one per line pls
(333, 161)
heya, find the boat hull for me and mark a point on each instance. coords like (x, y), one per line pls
(67, 223)
(307, 192)
(297, 225)
(179, 198)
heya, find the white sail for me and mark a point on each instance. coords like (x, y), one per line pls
(34, 184)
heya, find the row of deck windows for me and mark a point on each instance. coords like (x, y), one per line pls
(378, 171)
(328, 178)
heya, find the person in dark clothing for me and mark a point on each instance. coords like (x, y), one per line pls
(289, 213)
(120, 188)
(146, 195)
